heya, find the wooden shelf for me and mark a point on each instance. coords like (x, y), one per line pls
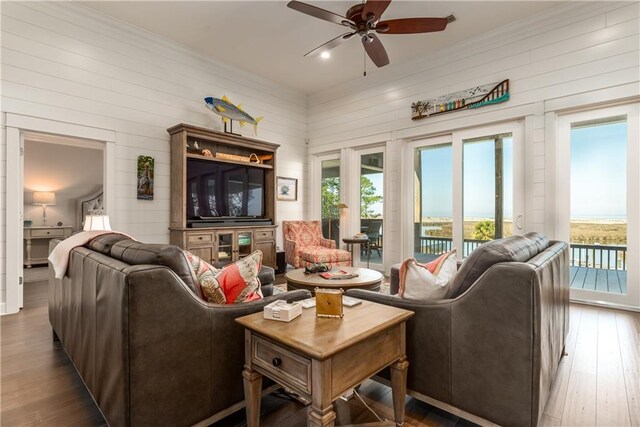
(232, 162)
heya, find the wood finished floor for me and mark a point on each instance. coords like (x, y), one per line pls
(598, 383)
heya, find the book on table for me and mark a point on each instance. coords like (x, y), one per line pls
(339, 275)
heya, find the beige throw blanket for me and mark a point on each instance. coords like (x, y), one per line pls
(59, 256)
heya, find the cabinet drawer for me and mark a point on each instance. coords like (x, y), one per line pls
(195, 239)
(288, 368)
(262, 235)
(47, 233)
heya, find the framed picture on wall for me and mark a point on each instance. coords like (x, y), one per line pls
(145, 177)
(287, 189)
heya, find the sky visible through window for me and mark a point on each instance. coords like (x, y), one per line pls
(598, 176)
(598, 171)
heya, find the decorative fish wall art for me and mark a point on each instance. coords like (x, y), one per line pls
(229, 112)
(475, 97)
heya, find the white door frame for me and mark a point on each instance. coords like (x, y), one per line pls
(563, 199)
(16, 127)
(457, 138)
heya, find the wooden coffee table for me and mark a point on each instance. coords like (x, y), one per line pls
(367, 279)
(322, 358)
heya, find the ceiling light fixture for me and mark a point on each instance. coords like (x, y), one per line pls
(325, 55)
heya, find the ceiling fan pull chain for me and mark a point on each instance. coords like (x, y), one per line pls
(364, 63)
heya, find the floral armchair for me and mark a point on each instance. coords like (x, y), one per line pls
(304, 245)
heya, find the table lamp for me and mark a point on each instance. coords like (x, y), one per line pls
(44, 199)
(96, 222)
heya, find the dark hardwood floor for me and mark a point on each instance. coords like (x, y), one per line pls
(597, 384)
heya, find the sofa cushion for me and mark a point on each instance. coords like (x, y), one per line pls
(239, 281)
(541, 241)
(105, 242)
(323, 254)
(427, 282)
(514, 248)
(204, 275)
(170, 256)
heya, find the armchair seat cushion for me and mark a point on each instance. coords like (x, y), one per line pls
(311, 254)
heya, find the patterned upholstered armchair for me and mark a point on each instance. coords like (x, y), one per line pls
(304, 245)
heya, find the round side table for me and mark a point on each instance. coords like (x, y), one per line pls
(353, 241)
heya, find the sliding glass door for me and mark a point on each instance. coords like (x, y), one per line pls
(372, 204)
(330, 197)
(464, 190)
(598, 162)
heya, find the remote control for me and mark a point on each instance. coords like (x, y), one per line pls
(308, 303)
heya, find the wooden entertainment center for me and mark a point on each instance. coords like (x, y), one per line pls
(224, 239)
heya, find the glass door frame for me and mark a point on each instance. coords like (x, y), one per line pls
(316, 192)
(354, 214)
(563, 200)
(457, 138)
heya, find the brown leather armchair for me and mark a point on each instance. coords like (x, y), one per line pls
(493, 347)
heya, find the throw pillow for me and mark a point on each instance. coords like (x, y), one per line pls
(204, 276)
(239, 281)
(427, 282)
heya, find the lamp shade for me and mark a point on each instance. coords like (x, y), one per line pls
(44, 198)
(96, 222)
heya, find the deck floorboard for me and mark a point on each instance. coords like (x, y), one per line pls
(599, 279)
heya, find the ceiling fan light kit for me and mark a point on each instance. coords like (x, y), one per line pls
(364, 20)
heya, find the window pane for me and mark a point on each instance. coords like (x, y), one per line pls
(599, 205)
(372, 203)
(433, 192)
(330, 198)
(487, 190)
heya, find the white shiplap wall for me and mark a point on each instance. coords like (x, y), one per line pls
(585, 50)
(63, 62)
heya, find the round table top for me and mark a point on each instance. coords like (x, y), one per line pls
(366, 277)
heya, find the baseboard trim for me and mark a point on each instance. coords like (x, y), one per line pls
(606, 305)
(441, 405)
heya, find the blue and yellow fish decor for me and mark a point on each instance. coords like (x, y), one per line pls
(228, 111)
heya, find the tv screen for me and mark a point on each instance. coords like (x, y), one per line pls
(224, 190)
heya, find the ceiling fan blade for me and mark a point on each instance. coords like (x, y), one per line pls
(330, 44)
(375, 8)
(375, 50)
(411, 25)
(319, 13)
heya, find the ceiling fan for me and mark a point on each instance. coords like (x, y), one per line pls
(364, 20)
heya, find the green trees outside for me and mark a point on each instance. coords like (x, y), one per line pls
(484, 230)
(330, 193)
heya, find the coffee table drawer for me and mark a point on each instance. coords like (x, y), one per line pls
(288, 368)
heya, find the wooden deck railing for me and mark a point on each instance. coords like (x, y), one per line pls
(593, 256)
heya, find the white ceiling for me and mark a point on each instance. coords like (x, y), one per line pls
(269, 39)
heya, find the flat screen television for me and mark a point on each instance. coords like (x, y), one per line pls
(219, 190)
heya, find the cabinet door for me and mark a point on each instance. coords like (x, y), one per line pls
(224, 250)
(268, 253)
(244, 244)
(205, 253)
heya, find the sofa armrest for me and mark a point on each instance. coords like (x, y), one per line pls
(428, 342)
(328, 243)
(196, 346)
(494, 336)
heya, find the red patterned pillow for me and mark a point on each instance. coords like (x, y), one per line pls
(205, 277)
(239, 281)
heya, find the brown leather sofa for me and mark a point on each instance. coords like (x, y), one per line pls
(149, 350)
(492, 348)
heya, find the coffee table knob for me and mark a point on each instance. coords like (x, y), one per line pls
(276, 361)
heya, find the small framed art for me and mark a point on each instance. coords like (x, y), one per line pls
(287, 189)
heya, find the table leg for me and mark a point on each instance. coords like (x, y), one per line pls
(321, 413)
(28, 253)
(399, 388)
(252, 394)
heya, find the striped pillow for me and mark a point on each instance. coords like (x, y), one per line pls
(427, 282)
